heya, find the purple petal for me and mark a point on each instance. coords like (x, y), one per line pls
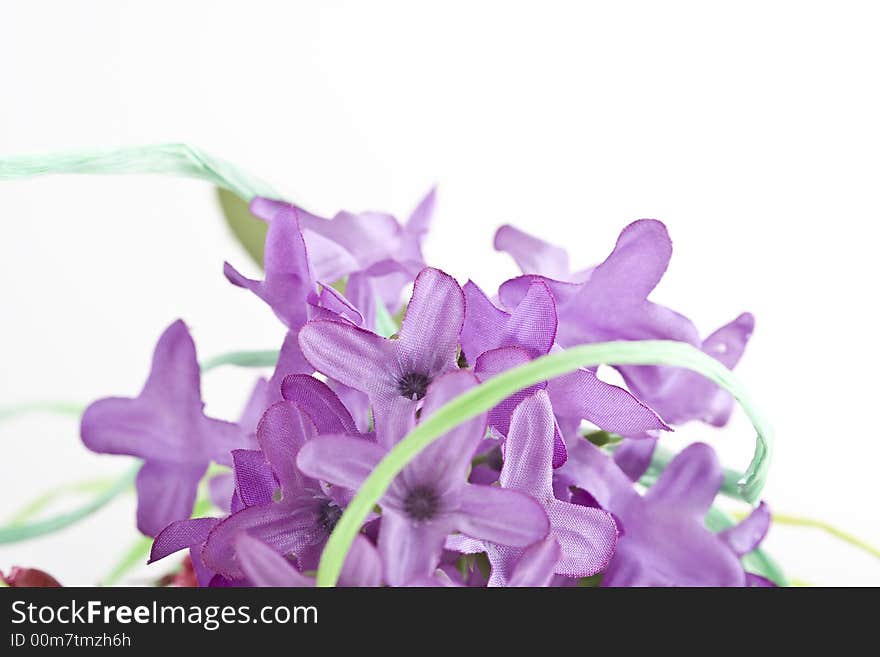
(532, 324)
(690, 482)
(290, 361)
(534, 256)
(498, 515)
(330, 304)
(636, 264)
(175, 377)
(445, 462)
(482, 324)
(263, 566)
(320, 402)
(166, 492)
(589, 468)
(665, 548)
(181, 535)
(753, 580)
(255, 482)
(430, 332)
(357, 403)
(420, 220)
(394, 417)
(634, 456)
(348, 242)
(688, 395)
(221, 488)
(290, 527)
(117, 425)
(355, 357)
(410, 550)
(282, 432)
(537, 565)
(586, 535)
(494, 362)
(528, 451)
(583, 395)
(340, 460)
(288, 279)
(255, 406)
(748, 534)
(363, 566)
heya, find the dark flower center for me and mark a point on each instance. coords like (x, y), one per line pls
(413, 385)
(422, 503)
(494, 459)
(328, 514)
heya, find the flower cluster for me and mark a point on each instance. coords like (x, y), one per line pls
(523, 495)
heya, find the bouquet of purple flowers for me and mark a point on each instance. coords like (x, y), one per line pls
(447, 436)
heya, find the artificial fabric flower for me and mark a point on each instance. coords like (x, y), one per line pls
(610, 302)
(586, 536)
(430, 498)
(375, 254)
(393, 373)
(165, 425)
(664, 540)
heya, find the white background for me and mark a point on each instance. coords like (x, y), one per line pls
(751, 130)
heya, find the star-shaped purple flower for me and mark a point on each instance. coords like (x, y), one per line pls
(166, 427)
(289, 287)
(664, 540)
(586, 536)
(372, 251)
(610, 302)
(497, 340)
(430, 498)
(393, 373)
(296, 515)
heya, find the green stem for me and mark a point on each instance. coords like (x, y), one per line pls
(487, 395)
(168, 159)
(15, 533)
(38, 504)
(56, 407)
(267, 358)
(134, 556)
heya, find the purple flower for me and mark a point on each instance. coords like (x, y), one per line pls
(586, 536)
(430, 498)
(610, 302)
(664, 540)
(496, 340)
(263, 566)
(166, 427)
(393, 373)
(289, 287)
(376, 254)
(297, 514)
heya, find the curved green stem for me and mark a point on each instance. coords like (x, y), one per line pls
(169, 159)
(38, 504)
(51, 406)
(483, 397)
(14, 533)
